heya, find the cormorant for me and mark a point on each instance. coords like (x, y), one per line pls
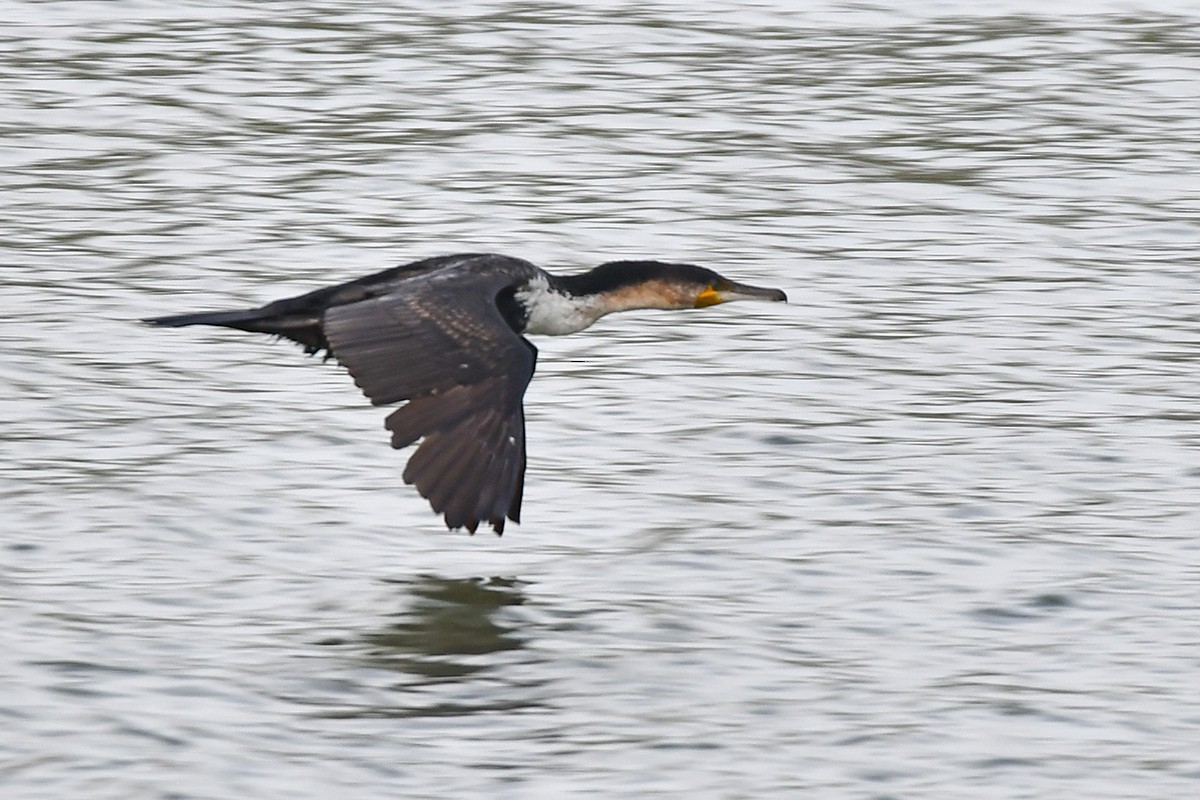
(446, 335)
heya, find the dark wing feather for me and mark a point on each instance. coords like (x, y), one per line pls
(300, 318)
(442, 344)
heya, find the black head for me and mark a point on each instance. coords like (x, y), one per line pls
(667, 285)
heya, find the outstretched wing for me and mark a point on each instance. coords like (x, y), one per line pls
(441, 343)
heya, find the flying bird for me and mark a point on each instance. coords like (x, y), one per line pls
(447, 335)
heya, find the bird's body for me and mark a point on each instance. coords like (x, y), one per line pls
(445, 334)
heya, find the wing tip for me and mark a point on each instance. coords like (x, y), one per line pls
(472, 525)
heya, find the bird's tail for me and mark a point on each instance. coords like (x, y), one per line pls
(302, 327)
(228, 319)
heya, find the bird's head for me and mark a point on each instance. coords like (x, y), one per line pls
(656, 284)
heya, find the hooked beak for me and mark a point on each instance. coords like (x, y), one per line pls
(742, 291)
(729, 291)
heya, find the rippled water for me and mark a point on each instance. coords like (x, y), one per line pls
(928, 530)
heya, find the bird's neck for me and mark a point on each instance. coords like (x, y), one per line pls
(553, 310)
(561, 304)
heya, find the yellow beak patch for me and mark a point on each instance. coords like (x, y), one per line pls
(709, 297)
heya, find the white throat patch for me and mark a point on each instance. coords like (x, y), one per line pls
(555, 314)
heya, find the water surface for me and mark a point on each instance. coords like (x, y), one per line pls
(929, 529)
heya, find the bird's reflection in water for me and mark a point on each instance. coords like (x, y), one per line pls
(449, 627)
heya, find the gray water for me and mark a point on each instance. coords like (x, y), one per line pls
(929, 531)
